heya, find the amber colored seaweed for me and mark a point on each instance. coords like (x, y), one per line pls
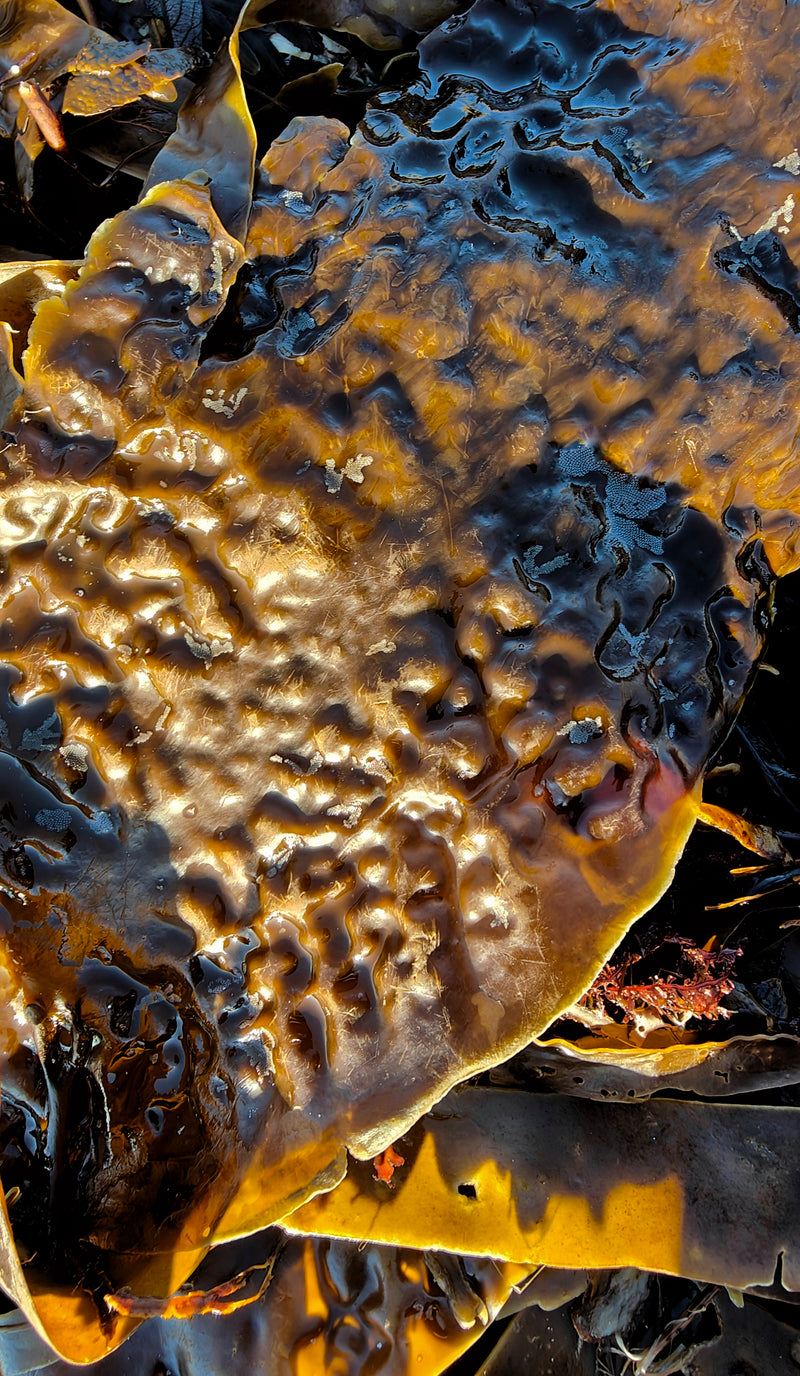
(389, 535)
(52, 62)
(330, 1306)
(690, 1189)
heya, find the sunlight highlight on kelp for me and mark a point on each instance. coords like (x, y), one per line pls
(693, 1189)
(389, 534)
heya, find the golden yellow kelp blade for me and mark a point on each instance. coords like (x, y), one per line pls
(215, 135)
(363, 639)
(326, 1306)
(66, 1321)
(596, 1068)
(10, 381)
(107, 355)
(23, 285)
(758, 839)
(64, 1317)
(692, 1189)
(44, 46)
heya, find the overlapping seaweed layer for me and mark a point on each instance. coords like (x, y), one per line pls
(388, 537)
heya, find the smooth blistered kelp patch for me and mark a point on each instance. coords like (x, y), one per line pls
(384, 559)
(327, 1305)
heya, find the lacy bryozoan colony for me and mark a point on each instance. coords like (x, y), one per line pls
(388, 532)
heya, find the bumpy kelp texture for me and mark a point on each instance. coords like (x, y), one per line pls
(45, 50)
(328, 1306)
(377, 586)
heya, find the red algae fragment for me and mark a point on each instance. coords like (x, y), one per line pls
(386, 1163)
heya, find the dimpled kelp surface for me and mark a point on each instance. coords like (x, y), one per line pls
(43, 42)
(361, 675)
(329, 1306)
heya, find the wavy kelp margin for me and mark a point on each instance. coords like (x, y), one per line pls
(384, 560)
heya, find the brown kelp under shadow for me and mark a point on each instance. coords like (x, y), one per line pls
(704, 1190)
(330, 1306)
(377, 587)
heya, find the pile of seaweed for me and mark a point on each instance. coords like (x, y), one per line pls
(400, 834)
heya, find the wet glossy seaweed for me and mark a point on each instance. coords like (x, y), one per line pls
(384, 561)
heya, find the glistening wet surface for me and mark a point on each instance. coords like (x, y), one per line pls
(384, 561)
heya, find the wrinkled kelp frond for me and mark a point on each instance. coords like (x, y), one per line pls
(389, 530)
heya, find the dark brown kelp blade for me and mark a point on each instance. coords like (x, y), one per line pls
(739, 1338)
(378, 585)
(326, 1306)
(692, 1189)
(215, 134)
(381, 23)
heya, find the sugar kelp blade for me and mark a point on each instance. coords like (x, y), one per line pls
(538, 1330)
(326, 1306)
(44, 43)
(23, 285)
(60, 1319)
(215, 133)
(701, 1190)
(121, 310)
(380, 360)
(118, 338)
(360, 673)
(108, 353)
(10, 380)
(597, 1070)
